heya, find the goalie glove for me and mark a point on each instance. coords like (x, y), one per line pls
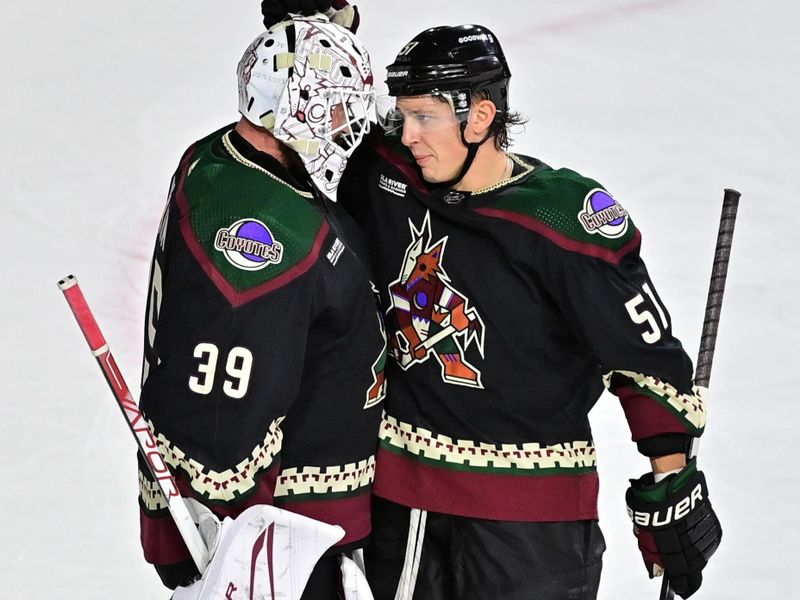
(264, 553)
(675, 525)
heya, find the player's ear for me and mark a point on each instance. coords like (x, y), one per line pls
(481, 116)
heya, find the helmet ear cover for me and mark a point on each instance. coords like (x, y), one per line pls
(461, 100)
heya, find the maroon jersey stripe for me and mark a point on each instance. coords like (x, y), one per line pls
(646, 416)
(400, 163)
(486, 495)
(560, 239)
(162, 543)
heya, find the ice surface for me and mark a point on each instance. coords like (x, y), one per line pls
(665, 102)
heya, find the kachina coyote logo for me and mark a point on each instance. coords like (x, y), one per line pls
(432, 317)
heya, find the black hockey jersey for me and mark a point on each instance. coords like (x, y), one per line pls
(507, 311)
(264, 349)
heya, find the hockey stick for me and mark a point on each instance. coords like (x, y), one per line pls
(136, 423)
(708, 338)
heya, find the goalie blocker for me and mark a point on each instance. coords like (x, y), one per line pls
(675, 525)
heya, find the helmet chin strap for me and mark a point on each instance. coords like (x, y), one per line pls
(472, 151)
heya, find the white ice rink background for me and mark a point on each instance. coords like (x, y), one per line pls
(664, 102)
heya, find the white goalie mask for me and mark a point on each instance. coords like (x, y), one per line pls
(309, 82)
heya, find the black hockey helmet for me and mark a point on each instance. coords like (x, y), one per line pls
(460, 60)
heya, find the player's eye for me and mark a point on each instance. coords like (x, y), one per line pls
(423, 118)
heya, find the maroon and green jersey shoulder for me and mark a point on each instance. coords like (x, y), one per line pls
(251, 231)
(264, 349)
(574, 212)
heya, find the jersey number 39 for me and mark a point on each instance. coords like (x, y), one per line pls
(238, 366)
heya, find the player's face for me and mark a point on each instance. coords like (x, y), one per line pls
(337, 119)
(431, 131)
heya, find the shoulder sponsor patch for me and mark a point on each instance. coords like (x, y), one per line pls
(398, 188)
(603, 215)
(248, 244)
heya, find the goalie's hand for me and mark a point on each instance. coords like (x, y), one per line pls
(338, 11)
(675, 525)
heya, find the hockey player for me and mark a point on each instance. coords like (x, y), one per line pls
(514, 295)
(264, 349)
(531, 277)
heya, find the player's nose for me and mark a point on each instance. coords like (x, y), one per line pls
(409, 136)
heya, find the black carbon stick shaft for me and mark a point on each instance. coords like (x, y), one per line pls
(716, 287)
(708, 337)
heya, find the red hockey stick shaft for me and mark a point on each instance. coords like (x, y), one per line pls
(136, 422)
(708, 338)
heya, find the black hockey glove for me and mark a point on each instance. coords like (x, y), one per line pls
(675, 525)
(274, 11)
(339, 11)
(183, 573)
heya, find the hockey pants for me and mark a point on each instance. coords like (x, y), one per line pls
(431, 556)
